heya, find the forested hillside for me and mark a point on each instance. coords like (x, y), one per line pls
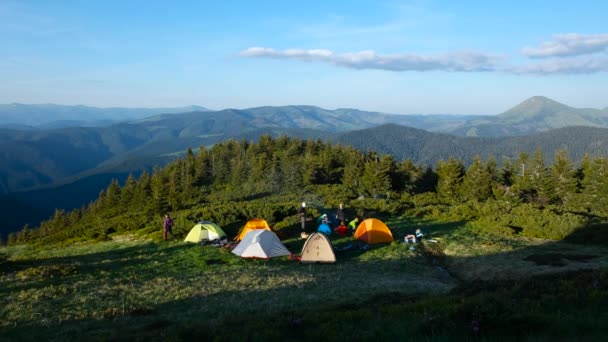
(234, 181)
(31, 158)
(428, 148)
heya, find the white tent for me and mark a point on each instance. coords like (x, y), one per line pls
(260, 243)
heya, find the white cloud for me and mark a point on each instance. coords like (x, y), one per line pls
(565, 66)
(566, 45)
(459, 61)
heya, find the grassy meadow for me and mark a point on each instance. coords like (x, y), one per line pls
(467, 285)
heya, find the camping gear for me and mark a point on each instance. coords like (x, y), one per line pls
(324, 228)
(344, 248)
(252, 224)
(317, 248)
(373, 231)
(204, 230)
(260, 243)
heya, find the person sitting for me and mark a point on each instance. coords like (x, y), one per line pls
(419, 234)
(324, 228)
(342, 229)
(410, 238)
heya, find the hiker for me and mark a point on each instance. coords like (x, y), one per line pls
(340, 213)
(302, 214)
(352, 225)
(167, 226)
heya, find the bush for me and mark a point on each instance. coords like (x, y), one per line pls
(3, 258)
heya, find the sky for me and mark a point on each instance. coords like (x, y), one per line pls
(404, 57)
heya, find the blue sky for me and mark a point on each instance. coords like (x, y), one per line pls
(466, 57)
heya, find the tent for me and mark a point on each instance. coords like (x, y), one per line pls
(260, 243)
(252, 224)
(373, 231)
(204, 230)
(317, 248)
(324, 228)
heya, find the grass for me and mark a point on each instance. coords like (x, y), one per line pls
(133, 288)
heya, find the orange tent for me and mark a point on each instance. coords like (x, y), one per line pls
(373, 231)
(252, 224)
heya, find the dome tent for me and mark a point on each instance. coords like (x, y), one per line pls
(252, 224)
(204, 230)
(261, 243)
(318, 248)
(373, 231)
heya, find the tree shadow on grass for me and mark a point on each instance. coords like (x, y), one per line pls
(543, 300)
(39, 273)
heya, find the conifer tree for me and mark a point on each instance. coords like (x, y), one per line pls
(523, 185)
(376, 178)
(563, 178)
(202, 169)
(478, 181)
(353, 170)
(112, 198)
(159, 203)
(541, 180)
(450, 175)
(406, 175)
(127, 192)
(143, 192)
(11, 239)
(427, 182)
(595, 186)
(174, 190)
(24, 235)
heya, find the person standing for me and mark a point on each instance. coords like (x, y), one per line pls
(302, 214)
(167, 226)
(340, 213)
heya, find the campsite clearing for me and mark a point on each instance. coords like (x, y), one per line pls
(132, 288)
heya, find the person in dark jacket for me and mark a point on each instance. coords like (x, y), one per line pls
(167, 226)
(340, 213)
(302, 215)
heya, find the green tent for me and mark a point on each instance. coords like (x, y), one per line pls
(204, 231)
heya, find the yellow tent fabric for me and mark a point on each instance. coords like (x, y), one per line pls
(252, 224)
(373, 231)
(204, 231)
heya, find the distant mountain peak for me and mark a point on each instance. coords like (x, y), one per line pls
(540, 101)
(534, 107)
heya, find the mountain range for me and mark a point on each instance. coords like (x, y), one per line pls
(50, 116)
(42, 164)
(32, 158)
